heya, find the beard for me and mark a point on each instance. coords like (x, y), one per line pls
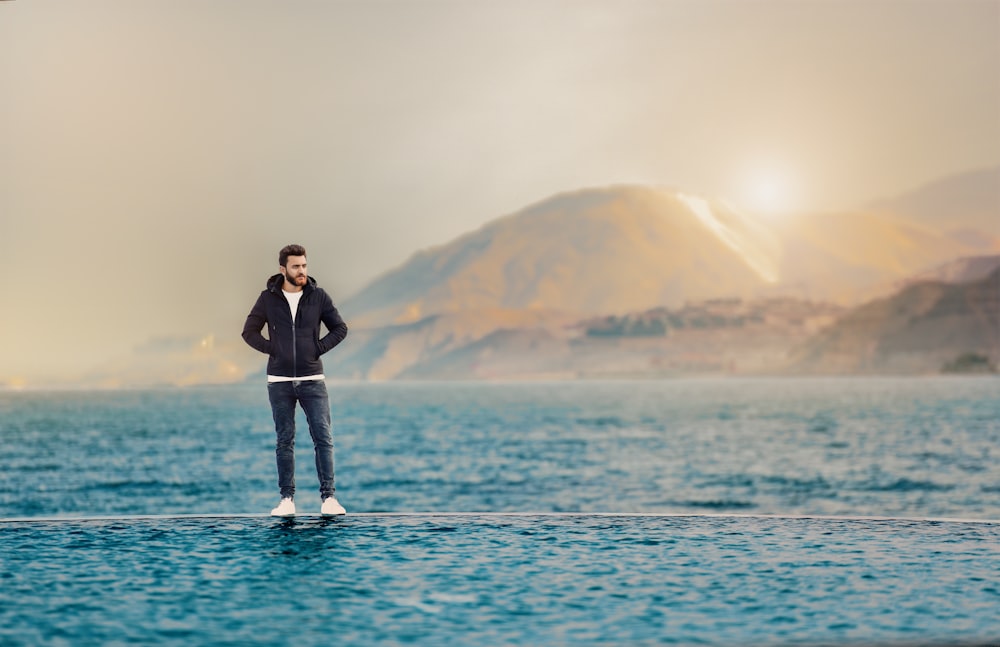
(296, 279)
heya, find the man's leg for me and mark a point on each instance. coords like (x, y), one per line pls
(315, 402)
(282, 397)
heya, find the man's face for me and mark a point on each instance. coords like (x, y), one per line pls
(295, 270)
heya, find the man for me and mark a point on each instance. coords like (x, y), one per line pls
(292, 308)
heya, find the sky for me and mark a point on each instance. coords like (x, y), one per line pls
(155, 155)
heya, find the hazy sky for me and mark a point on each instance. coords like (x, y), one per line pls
(154, 155)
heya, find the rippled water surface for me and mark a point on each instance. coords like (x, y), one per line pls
(657, 454)
(919, 447)
(482, 580)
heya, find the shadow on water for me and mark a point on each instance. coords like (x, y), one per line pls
(301, 536)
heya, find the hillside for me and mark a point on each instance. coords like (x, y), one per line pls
(922, 329)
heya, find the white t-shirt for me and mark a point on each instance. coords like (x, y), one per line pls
(293, 303)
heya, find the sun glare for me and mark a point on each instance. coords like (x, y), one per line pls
(768, 194)
(768, 191)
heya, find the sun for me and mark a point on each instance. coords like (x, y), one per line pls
(768, 190)
(768, 194)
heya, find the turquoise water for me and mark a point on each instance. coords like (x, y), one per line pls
(688, 470)
(921, 447)
(483, 580)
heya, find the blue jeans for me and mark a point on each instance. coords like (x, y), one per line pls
(315, 401)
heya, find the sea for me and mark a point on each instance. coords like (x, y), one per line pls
(716, 511)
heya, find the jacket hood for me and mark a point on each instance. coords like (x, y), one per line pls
(275, 282)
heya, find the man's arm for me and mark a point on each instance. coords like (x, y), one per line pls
(255, 322)
(334, 323)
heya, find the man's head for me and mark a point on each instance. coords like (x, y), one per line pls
(292, 263)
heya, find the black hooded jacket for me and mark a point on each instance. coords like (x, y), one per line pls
(294, 348)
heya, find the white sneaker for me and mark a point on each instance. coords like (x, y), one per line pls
(331, 507)
(285, 509)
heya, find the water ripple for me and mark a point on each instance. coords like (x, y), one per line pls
(488, 580)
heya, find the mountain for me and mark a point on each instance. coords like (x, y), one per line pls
(512, 297)
(965, 206)
(924, 328)
(593, 251)
(627, 248)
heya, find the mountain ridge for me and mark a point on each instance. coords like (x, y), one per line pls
(590, 251)
(627, 247)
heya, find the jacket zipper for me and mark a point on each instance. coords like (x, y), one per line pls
(295, 350)
(295, 344)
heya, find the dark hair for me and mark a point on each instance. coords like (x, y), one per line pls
(290, 250)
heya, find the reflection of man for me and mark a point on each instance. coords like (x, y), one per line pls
(292, 308)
